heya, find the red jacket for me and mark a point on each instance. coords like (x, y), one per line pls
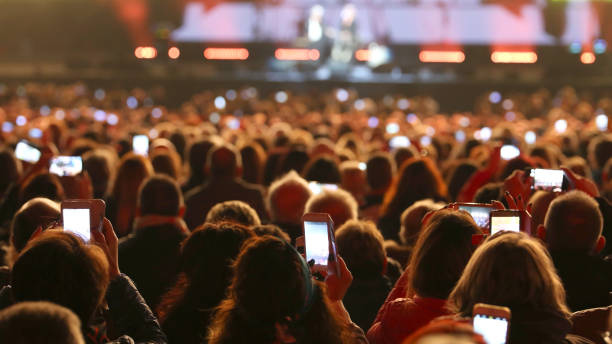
(399, 318)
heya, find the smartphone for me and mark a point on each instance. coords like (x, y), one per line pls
(66, 165)
(548, 180)
(492, 322)
(399, 142)
(140, 144)
(480, 212)
(27, 152)
(505, 220)
(81, 216)
(509, 152)
(317, 187)
(320, 243)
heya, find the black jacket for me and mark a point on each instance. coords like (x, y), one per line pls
(364, 298)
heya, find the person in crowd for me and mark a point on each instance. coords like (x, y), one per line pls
(379, 175)
(206, 271)
(225, 167)
(439, 257)
(167, 162)
(273, 299)
(353, 180)
(322, 169)
(150, 253)
(514, 270)
(401, 154)
(286, 200)
(10, 173)
(98, 166)
(361, 246)
(197, 154)
(272, 230)
(253, 159)
(233, 211)
(572, 232)
(417, 179)
(540, 202)
(122, 202)
(458, 176)
(45, 185)
(59, 267)
(339, 204)
(598, 154)
(39, 323)
(445, 331)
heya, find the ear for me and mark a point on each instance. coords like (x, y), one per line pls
(601, 243)
(541, 233)
(181, 212)
(283, 335)
(384, 269)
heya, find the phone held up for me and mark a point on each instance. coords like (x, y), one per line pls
(492, 322)
(82, 216)
(320, 243)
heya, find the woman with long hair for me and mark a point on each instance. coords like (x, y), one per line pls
(273, 299)
(418, 179)
(515, 271)
(439, 257)
(122, 202)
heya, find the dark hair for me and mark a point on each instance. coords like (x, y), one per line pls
(97, 166)
(272, 230)
(253, 157)
(322, 169)
(269, 287)
(198, 152)
(179, 141)
(379, 171)
(361, 246)
(10, 171)
(166, 162)
(458, 176)
(160, 195)
(45, 185)
(58, 267)
(295, 160)
(234, 211)
(37, 212)
(441, 253)
(223, 160)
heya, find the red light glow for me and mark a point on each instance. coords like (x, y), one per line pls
(297, 54)
(442, 56)
(362, 55)
(514, 57)
(226, 53)
(174, 53)
(587, 57)
(145, 52)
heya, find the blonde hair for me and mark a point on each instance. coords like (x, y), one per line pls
(513, 270)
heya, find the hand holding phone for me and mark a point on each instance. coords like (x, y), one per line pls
(548, 180)
(320, 243)
(82, 216)
(492, 322)
(480, 212)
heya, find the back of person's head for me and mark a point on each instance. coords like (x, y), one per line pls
(573, 223)
(322, 169)
(339, 204)
(272, 230)
(272, 287)
(441, 253)
(224, 161)
(132, 171)
(179, 141)
(160, 195)
(379, 171)
(540, 201)
(361, 246)
(60, 268)
(411, 220)
(579, 166)
(600, 150)
(287, 197)
(10, 171)
(518, 163)
(401, 154)
(197, 155)
(233, 211)
(458, 177)
(166, 162)
(45, 185)
(513, 270)
(39, 323)
(35, 213)
(294, 160)
(253, 159)
(489, 192)
(98, 167)
(353, 178)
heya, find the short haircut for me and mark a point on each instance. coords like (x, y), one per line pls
(223, 160)
(58, 267)
(339, 204)
(322, 169)
(166, 162)
(39, 323)
(160, 195)
(361, 246)
(489, 192)
(411, 219)
(379, 171)
(273, 230)
(37, 212)
(573, 222)
(287, 197)
(42, 185)
(441, 253)
(600, 150)
(233, 211)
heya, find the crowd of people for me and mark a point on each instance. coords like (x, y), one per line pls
(202, 232)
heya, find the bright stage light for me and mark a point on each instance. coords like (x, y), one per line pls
(226, 53)
(174, 53)
(286, 54)
(145, 52)
(514, 57)
(441, 56)
(587, 57)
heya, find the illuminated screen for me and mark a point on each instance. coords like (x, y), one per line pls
(25, 152)
(66, 165)
(479, 214)
(140, 144)
(317, 242)
(469, 22)
(493, 329)
(77, 221)
(543, 179)
(505, 223)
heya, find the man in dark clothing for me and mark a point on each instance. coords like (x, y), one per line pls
(361, 246)
(572, 231)
(150, 254)
(224, 166)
